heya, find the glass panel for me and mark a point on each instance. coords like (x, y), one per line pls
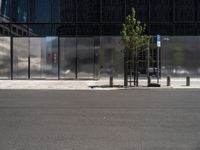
(111, 29)
(88, 10)
(111, 56)
(5, 10)
(20, 10)
(185, 29)
(20, 58)
(50, 51)
(198, 10)
(113, 10)
(161, 10)
(97, 41)
(184, 10)
(85, 57)
(40, 29)
(35, 58)
(4, 57)
(64, 11)
(180, 56)
(88, 29)
(40, 11)
(63, 29)
(44, 58)
(162, 29)
(67, 58)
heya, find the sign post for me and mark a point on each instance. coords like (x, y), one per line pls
(158, 57)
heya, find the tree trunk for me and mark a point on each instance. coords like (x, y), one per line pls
(135, 69)
(126, 68)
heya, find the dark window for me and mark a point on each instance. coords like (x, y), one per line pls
(198, 10)
(19, 31)
(184, 10)
(1, 30)
(162, 29)
(97, 17)
(64, 29)
(24, 33)
(40, 11)
(141, 7)
(111, 29)
(19, 10)
(64, 11)
(40, 30)
(161, 11)
(88, 29)
(198, 30)
(14, 29)
(185, 29)
(88, 10)
(113, 10)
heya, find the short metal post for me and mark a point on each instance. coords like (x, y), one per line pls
(187, 81)
(125, 73)
(149, 80)
(111, 81)
(168, 81)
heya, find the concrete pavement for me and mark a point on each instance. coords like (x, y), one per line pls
(176, 83)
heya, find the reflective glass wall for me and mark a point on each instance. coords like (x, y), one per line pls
(111, 57)
(85, 57)
(68, 59)
(99, 17)
(5, 70)
(60, 57)
(20, 58)
(44, 58)
(89, 57)
(180, 56)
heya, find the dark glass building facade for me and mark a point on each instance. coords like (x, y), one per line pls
(62, 39)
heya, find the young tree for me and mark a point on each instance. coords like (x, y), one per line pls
(135, 40)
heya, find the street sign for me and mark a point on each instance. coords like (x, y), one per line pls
(158, 41)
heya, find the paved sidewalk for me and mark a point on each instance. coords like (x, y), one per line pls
(102, 84)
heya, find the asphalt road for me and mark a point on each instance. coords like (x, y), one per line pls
(100, 120)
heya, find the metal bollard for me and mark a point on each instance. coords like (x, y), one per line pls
(168, 81)
(149, 81)
(187, 81)
(111, 81)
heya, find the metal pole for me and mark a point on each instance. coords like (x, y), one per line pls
(148, 58)
(11, 57)
(158, 65)
(29, 59)
(58, 58)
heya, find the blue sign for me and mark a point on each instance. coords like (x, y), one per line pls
(158, 38)
(158, 41)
